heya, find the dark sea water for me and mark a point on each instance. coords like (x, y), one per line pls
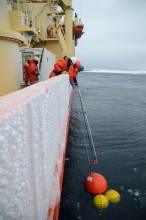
(116, 110)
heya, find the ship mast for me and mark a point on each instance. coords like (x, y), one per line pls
(65, 38)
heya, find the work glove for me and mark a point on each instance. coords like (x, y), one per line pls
(38, 73)
(73, 85)
(64, 72)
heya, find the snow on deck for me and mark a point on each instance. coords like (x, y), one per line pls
(32, 125)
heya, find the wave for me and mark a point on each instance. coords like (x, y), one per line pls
(116, 71)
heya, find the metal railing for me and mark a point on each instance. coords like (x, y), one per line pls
(27, 16)
(37, 1)
(46, 32)
(27, 21)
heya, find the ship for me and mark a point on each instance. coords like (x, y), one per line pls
(34, 121)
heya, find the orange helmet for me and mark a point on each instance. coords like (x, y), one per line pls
(78, 64)
(29, 59)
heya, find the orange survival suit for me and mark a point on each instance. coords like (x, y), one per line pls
(33, 69)
(73, 72)
(27, 75)
(59, 67)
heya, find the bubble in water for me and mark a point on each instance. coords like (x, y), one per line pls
(122, 188)
(136, 193)
(78, 205)
(130, 191)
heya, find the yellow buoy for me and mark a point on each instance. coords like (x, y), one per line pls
(113, 196)
(101, 202)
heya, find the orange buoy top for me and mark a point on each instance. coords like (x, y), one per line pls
(95, 183)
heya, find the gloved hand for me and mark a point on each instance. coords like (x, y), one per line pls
(64, 72)
(73, 85)
(38, 73)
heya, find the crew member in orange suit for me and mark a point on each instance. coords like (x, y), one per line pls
(73, 72)
(26, 70)
(59, 67)
(33, 70)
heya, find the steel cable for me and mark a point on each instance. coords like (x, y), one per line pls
(88, 129)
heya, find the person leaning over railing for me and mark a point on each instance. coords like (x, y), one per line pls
(68, 65)
(59, 67)
(73, 72)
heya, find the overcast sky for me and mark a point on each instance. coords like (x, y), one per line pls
(115, 34)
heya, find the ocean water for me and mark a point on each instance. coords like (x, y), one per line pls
(116, 108)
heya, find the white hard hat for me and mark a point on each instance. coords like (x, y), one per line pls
(36, 58)
(73, 59)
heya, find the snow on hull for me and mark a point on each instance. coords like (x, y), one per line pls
(33, 134)
(59, 171)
